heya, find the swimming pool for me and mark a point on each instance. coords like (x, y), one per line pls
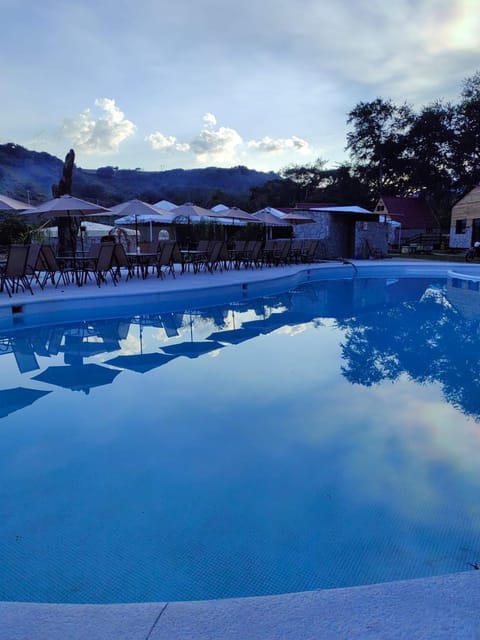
(321, 437)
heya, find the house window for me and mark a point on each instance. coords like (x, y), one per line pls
(460, 226)
(380, 207)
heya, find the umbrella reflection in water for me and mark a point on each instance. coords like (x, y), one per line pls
(12, 400)
(141, 362)
(192, 349)
(234, 336)
(78, 377)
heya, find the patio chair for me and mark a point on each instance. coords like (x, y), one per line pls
(13, 274)
(295, 252)
(250, 255)
(267, 252)
(215, 258)
(122, 261)
(211, 261)
(309, 252)
(281, 252)
(51, 267)
(178, 257)
(102, 266)
(165, 262)
(373, 252)
(34, 263)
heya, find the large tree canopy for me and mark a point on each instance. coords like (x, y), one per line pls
(397, 151)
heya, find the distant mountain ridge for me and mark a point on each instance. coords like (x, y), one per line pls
(29, 175)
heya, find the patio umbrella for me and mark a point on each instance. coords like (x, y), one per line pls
(10, 204)
(138, 212)
(166, 205)
(270, 220)
(194, 213)
(218, 208)
(78, 377)
(67, 210)
(17, 398)
(64, 207)
(234, 213)
(141, 362)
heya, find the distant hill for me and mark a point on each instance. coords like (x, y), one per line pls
(29, 175)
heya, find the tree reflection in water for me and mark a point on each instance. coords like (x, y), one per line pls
(433, 339)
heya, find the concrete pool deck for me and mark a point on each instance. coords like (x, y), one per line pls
(435, 607)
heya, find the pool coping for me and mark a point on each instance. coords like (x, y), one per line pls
(434, 607)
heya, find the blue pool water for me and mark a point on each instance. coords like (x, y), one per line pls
(324, 437)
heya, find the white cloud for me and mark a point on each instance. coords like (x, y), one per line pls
(224, 144)
(278, 145)
(160, 142)
(209, 120)
(98, 134)
(215, 144)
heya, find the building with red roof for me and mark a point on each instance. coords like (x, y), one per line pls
(414, 214)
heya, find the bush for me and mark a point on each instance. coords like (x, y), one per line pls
(12, 229)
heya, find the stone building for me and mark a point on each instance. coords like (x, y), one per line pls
(347, 232)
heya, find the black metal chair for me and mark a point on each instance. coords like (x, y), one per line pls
(14, 273)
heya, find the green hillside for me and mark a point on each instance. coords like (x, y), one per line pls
(29, 175)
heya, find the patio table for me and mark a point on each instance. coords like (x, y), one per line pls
(141, 262)
(191, 257)
(75, 264)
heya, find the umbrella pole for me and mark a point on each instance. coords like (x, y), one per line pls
(136, 235)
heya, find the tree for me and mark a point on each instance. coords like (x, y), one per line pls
(467, 133)
(307, 178)
(12, 229)
(377, 143)
(431, 164)
(274, 193)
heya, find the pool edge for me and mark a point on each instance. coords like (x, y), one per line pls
(438, 607)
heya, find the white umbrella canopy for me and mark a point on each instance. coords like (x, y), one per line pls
(67, 210)
(138, 212)
(166, 205)
(271, 220)
(234, 213)
(193, 212)
(64, 207)
(137, 208)
(10, 204)
(218, 208)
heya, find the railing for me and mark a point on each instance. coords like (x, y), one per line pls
(435, 240)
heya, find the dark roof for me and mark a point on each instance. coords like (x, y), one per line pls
(315, 205)
(412, 213)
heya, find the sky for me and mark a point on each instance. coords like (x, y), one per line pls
(159, 85)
